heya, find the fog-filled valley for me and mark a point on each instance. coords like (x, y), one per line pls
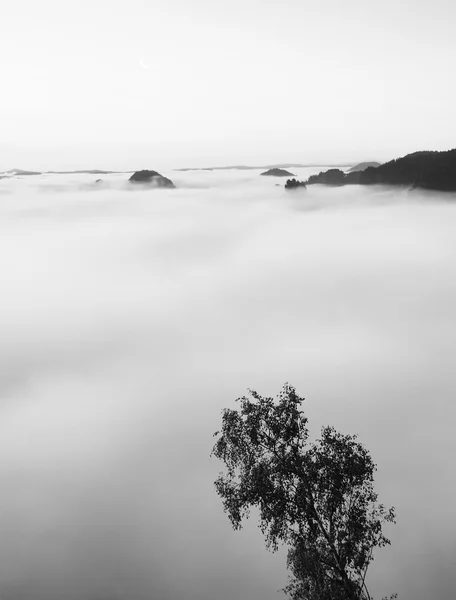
(131, 317)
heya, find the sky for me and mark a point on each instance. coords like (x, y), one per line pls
(148, 84)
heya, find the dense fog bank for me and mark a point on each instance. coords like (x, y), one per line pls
(129, 319)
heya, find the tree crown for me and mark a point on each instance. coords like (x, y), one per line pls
(316, 497)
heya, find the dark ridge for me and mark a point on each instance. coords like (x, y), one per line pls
(427, 169)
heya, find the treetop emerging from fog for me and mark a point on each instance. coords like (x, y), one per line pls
(316, 497)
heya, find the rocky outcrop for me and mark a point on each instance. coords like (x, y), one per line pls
(292, 184)
(152, 179)
(277, 173)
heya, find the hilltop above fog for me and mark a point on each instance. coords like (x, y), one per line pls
(151, 178)
(428, 169)
(277, 173)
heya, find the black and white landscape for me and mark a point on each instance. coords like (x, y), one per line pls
(151, 273)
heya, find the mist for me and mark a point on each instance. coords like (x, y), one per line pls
(131, 318)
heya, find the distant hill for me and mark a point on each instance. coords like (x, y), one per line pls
(428, 169)
(251, 168)
(277, 173)
(363, 166)
(20, 172)
(87, 171)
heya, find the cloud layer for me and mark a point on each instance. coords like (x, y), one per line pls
(130, 319)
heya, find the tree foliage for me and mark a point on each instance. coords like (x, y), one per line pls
(317, 498)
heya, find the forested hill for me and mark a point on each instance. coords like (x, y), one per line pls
(428, 169)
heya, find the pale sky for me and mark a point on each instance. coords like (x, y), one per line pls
(161, 83)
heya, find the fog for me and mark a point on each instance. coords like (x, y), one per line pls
(130, 318)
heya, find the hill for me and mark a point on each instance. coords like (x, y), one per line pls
(278, 173)
(19, 173)
(364, 165)
(151, 178)
(253, 168)
(331, 177)
(428, 169)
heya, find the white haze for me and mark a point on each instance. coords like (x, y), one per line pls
(129, 319)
